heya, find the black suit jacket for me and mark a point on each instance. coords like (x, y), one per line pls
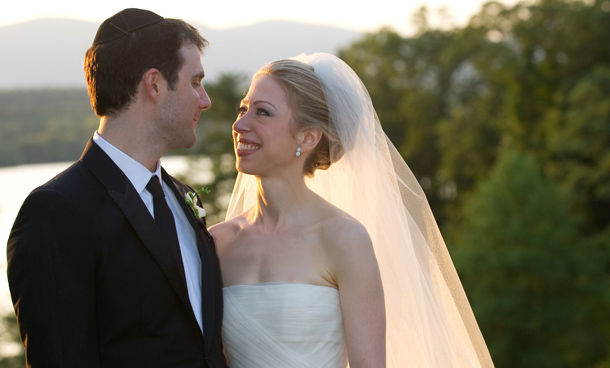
(93, 283)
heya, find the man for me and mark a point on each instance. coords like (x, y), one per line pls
(102, 273)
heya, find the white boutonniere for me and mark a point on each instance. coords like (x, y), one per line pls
(191, 200)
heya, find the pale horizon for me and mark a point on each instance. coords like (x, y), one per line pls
(229, 14)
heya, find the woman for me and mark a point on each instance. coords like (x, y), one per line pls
(329, 237)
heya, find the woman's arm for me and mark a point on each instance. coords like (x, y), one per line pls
(362, 301)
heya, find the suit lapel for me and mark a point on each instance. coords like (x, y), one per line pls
(208, 279)
(123, 193)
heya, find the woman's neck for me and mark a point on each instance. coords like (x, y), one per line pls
(281, 201)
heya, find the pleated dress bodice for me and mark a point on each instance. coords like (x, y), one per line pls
(275, 325)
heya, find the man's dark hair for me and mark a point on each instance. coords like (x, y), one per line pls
(114, 69)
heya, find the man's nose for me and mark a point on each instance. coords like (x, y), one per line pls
(204, 101)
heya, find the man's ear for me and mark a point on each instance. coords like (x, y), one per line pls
(309, 139)
(153, 84)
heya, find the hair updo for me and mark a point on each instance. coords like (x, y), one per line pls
(306, 98)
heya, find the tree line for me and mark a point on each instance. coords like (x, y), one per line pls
(44, 125)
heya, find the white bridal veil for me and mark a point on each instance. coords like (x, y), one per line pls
(429, 320)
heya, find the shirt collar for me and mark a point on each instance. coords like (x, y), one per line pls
(137, 174)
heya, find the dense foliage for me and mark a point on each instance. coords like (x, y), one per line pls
(507, 124)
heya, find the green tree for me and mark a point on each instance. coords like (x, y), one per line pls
(449, 98)
(538, 288)
(553, 88)
(579, 145)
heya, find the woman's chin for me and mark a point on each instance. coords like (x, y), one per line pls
(244, 169)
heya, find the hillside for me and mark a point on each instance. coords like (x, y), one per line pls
(44, 125)
(48, 53)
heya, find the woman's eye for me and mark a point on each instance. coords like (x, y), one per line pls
(241, 111)
(260, 111)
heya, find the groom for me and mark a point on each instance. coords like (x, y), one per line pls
(107, 265)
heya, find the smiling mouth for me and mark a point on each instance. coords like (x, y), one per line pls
(241, 146)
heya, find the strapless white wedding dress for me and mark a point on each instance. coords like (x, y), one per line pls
(281, 325)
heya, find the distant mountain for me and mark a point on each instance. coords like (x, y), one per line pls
(49, 52)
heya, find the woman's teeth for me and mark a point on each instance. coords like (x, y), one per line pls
(246, 146)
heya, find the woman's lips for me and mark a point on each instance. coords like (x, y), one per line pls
(244, 148)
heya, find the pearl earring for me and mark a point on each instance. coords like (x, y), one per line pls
(298, 152)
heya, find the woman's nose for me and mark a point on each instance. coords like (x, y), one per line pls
(241, 124)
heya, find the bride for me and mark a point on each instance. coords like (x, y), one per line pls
(330, 254)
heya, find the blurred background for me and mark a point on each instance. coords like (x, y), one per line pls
(501, 109)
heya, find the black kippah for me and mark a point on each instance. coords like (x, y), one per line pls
(123, 23)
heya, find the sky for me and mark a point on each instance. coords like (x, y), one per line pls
(230, 13)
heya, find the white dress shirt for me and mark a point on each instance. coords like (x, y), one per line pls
(139, 176)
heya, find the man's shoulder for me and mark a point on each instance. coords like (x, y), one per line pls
(75, 183)
(72, 176)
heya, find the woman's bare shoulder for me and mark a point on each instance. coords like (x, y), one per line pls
(224, 231)
(341, 231)
(349, 250)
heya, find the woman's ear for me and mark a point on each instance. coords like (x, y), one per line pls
(309, 139)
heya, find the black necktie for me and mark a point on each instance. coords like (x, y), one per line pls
(163, 215)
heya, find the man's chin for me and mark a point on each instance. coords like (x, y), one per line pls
(189, 142)
(184, 144)
(192, 144)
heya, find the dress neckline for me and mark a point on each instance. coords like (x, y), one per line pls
(280, 283)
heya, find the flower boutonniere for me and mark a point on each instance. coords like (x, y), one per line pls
(191, 199)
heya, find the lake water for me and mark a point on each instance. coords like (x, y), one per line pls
(16, 182)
